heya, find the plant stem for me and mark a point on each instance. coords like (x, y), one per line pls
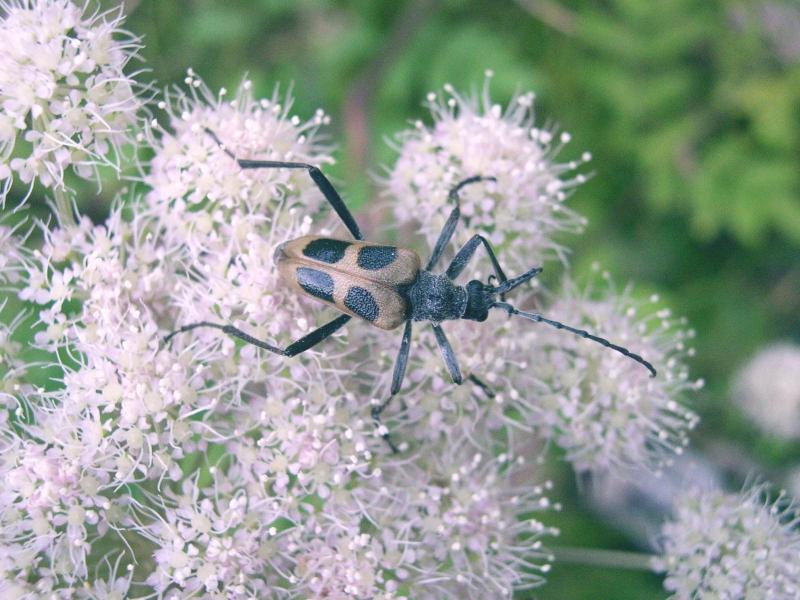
(551, 13)
(597, 557)
(66, 217)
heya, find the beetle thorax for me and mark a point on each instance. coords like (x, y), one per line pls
(436, 298)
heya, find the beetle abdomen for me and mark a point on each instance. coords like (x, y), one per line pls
(360, 279)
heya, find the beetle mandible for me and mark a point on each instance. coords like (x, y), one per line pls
(386, 286)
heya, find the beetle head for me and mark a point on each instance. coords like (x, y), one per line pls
(480, 298)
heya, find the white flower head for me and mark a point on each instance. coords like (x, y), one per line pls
(767, 389)
(337, 560)
(469, 518)
(602, 408)
(312, 439)
(130, 395)
(731, 546)
(522, 211)
(51, 510)
(209, 540)
(66, 99)
(190, 171)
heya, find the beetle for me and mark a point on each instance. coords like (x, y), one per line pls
(387, 286)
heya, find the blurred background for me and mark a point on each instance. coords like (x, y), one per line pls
(691, 109)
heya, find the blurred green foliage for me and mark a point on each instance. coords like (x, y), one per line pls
(691, 109)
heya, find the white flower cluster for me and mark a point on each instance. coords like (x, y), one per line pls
(767, 389)
(207, 539)
(522, 210)
(66, 101)
(471, 516)
(202, 466)
(731, 546)
(602, 408)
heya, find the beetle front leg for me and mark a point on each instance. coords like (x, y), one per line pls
(450, 225)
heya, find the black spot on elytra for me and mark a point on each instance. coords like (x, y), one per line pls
(316, 283)
(373, 258)
(361, 302)
(325, 250)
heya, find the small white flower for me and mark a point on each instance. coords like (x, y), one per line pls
(12, 366)
(12, 254)
(522, 211)
(731, 546)
(767, 389)
(115, 585)
(66, 100)
(603, 408)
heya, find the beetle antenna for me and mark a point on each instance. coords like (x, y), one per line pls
(510, 284)
(537, 318)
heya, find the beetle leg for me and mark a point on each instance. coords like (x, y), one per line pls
(402, 359)
(490, 393)
(322, 182)
(452, 220)
(384, 433)
(397, 381)
(447, 353)
(301, 345)
(466, 253)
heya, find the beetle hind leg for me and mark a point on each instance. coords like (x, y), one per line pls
(304, 343)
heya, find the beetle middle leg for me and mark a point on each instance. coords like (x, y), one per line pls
(397, 381)
(447, 353)
(384, 432)
(485, 387)
(304, 343)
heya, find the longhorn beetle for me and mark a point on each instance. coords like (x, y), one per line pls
(386, 286)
